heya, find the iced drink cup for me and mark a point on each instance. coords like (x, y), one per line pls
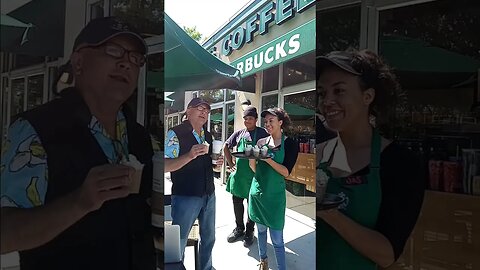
(264, 151)
(256, 151)
(216, 149)
(248, 150)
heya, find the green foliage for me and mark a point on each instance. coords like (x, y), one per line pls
(193, 33)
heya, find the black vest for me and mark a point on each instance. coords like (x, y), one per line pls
(196, 177)
(119, 234)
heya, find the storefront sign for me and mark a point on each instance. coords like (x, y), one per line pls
(294, 43)
(280, 12)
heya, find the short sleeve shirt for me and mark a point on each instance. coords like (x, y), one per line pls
(24, 170)
(233, 140)
(172, 146)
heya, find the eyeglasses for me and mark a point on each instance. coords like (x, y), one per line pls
(202, 109)
(116, 51)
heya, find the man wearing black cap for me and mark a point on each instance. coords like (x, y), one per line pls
(188, 149)
(241, 175)
(67, 200)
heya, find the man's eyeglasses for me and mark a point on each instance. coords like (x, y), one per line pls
(116, 51)
(202, 109)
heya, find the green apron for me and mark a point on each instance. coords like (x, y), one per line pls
(240, 180)
(362, 202)
(267, 193)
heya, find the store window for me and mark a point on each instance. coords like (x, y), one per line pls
(248, 83)
(301, 109)
(437, 59)
(97, 10)
(4, 108)
(270, 79)
(216, 123)
(154, 97)
(212, 96)
(270, 101)
(338, 29)
(301, 182)
(170, 123)
(35, 91)
(230, 95)
(18, 97)
(299, 70)
(146, 16)
(230, 119)
(4, 62)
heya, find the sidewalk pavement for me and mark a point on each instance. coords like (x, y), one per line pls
(299, 238)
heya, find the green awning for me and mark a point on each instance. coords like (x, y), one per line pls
(406, 54)
(45, 38)
(13, 32)
(217, 117)
(188, 66)
(297, 110)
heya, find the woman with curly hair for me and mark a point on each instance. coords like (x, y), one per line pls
(380, 182)
(267, 198)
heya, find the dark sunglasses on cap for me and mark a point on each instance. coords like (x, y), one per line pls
(116, 51)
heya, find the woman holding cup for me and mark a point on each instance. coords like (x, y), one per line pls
(267, 193)
(380, 181)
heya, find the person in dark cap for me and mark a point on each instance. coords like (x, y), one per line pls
(68, 197)
(369, 173)
(241, 175)
(188, 150)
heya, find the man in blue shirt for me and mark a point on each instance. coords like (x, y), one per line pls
(66, 198)
(188, 149)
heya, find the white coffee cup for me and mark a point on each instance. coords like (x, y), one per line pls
(217, 146)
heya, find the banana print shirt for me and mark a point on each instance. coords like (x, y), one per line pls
(172, 147)
(24, 172)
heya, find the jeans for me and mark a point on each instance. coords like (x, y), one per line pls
(185, 209)
(238, 210)
(277, 241)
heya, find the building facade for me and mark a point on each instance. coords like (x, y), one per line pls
(272, 43)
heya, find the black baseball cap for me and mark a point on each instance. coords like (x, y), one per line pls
(195, 102)
(271, 111)
(250, 111)
(280, 113)
(100, 30)
(341, 59)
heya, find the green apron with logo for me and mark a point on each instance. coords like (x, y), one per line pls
(240, 180)
(362, 203)
(267, 193)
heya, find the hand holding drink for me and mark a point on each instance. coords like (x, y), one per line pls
(136, 177)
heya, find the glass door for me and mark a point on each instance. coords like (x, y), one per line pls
(17, 97)
(34, 91)
(216, 123)
(4, 104)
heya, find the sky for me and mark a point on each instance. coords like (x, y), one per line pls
(206, 15)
